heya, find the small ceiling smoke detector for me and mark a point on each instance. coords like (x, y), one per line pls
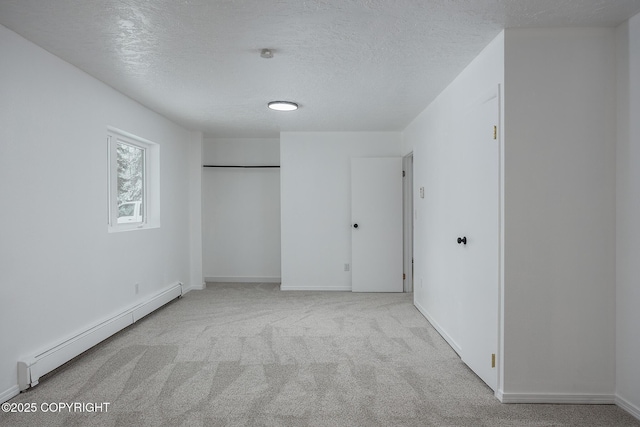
(266, 53)
(282, 105)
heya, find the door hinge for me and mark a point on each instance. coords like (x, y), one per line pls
(404, 174)
(495, 132)
(404, 276)
(493, 360)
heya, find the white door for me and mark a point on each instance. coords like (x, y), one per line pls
(479, 257)
(376, 224)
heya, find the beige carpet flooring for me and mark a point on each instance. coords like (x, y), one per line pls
(251, 355)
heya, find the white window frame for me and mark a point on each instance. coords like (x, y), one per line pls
(151, 191)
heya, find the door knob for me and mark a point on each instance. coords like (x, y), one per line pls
(462, 240)
(355, 225)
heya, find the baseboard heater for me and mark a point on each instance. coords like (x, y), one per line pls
(30, 369)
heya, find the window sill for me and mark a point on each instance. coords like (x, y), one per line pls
(131, 227)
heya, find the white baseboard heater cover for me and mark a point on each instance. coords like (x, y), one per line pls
(30, 369)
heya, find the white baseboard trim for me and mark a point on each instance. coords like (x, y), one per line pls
(240, 279)
(628, 406)
(194, 288)
(316, 288)
(439, 328)
(32, 367)
(8, 394)
(557, 398)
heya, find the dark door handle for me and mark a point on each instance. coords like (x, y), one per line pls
(462, 240)
(355, 225)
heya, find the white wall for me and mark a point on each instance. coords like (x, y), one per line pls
(316, 203)
(430, 137)
(195, 212)
(628, 215)
(559, 202)
(241, 211)
(61, 271)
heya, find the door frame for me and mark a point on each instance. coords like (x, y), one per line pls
(407, 221)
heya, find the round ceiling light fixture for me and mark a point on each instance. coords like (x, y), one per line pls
(283, 105)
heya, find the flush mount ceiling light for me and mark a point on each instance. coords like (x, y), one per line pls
(282, 105)
(266, 53)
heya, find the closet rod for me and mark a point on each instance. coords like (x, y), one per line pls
(238, 166)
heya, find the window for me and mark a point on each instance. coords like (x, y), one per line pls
(133, 182)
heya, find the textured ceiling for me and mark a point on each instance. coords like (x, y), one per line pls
(353, 65)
